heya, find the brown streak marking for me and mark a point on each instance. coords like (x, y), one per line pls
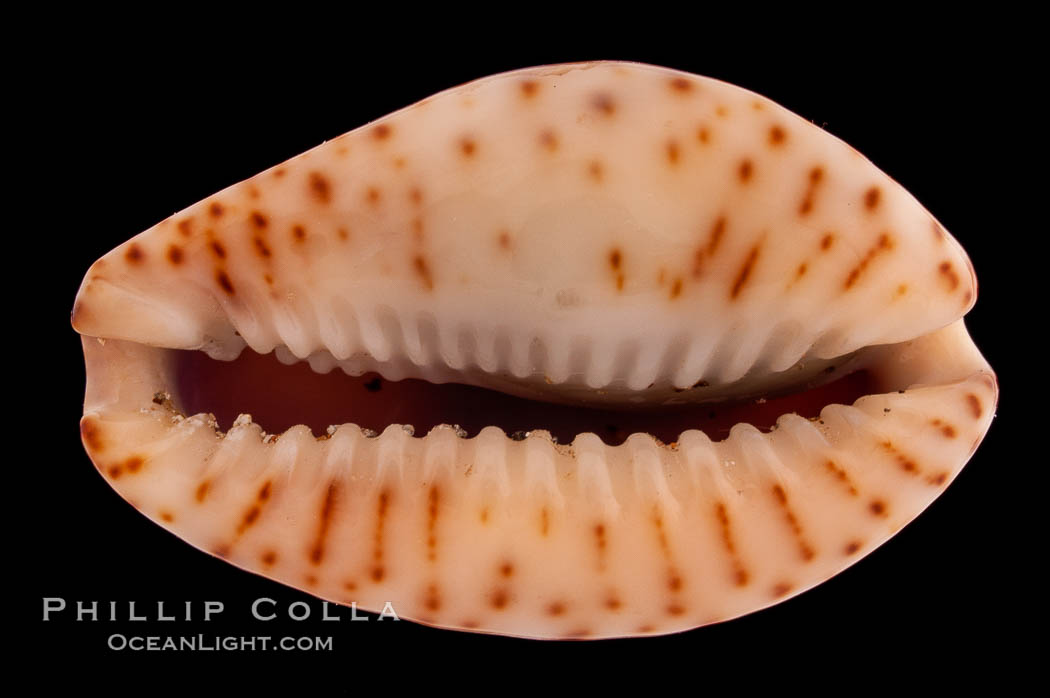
(852, 547)
(975, 405)
(938, 479)
(801, 271)
(419, 263)
(433, 598)
(615, 259)
(134, 255)
(175, 254)
(816, 175)
(544, 522)
(433, 508)
(745, 170)
(259, 220)
(871, 198)
(216, 210)
(261, 246)
(483, 515)
(949, 274)
(739, 573)
(218, 249)
(704, 252)
(382, 505)
(946, 429)
(676, 288)
(202, 490)
(317, 551)
(826, 242)
(884, 243)
(744, 273)
(604, 103)
(224, 281)
(842, 476)
(907, 464)
(796, 527)
(601, 542)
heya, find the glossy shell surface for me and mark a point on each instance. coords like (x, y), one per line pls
(601, 233)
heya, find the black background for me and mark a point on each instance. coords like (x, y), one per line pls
(132, 131)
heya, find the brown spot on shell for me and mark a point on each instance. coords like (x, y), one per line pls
(938, 478)
(134, 255)
(801, 271)
(615, 259)
(613, 603)
(506, 570)
(202, 490)
(175, 255)
(468, 147)
(268, 558)
(603, 103)
(91, 435)
(975, 405)
(675, 609)
(382, 132)
(852, 547)
(185, 227)
(166, 516)
(878, 507)
(745, 170)
(549, 139)
(676, 288)
(871, 198)
(681, 85)
(259, 220)
(499, 599)
(744, 274)
(946, 429)
(432, 598)
(224, 281)
(781, 589)
(529, 88)
(503, 239)
(673, 152)
(217, 249)
(415, 195)
(279, 172)
(298, 233)
(216, 210)
(947, 271)
(556, 608)
(777, 135)
(703, 134)
(595, 170)
(827, 241)
(419, 263)
(260, 246)
(373, 195)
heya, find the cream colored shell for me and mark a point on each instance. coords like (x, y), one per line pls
(606, 232)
